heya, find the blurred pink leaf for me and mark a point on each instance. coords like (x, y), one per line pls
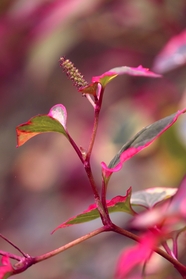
(169, 216)
(52, 14)
(117, 204)
(172, 55)
(137, 254)
(6, 270)
(108, 76)
(140, 141)
(178, 203)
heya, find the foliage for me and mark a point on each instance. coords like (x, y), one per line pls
(162, 218)
(42, 183)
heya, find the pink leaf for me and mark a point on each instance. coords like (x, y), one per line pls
(173, 54)
(6, 270)
(141, 140)
(178, 203)
(136, 255)
(108, 76)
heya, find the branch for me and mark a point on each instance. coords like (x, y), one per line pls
(69, 245)
(10, 255)
(11, 243)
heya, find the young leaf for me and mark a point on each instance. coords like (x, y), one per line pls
(89, 89)
(141, 140)
(108, 76)
(150, 197)
(117, 204)
(59, 113)
(55, 121)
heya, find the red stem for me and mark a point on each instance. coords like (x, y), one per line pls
(69, 245)
(97, 109)
(102, 209)
(10, 255)
(104, 202)
(76, 148)
(12, 244)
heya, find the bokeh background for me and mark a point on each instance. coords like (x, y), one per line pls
(43, 183)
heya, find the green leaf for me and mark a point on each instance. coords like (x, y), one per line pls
(140, 141)
(55, 121)
(117, 204)
(106, 78)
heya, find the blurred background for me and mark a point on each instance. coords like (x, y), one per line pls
(43, 183)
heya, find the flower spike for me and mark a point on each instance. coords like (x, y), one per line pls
(73, 73)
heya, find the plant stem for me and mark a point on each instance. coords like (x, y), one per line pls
(175, 245)
(100, 207)
(104, 201)
(97, 109)
(10, 255)
(125, 233)
(102, 210)
(69, 245)
(89, 98)
(12, 244)
(168, 250)
(76, 148)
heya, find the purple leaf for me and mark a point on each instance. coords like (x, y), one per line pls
(141, 140)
